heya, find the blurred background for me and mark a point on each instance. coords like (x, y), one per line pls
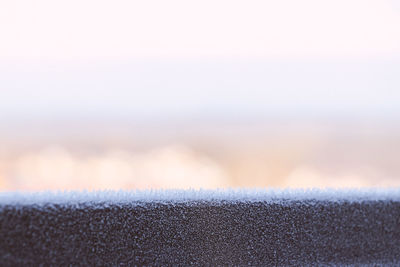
(199, 94)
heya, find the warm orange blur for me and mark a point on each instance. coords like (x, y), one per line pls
(209, 156)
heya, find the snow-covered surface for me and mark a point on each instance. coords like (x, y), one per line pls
(176, 196)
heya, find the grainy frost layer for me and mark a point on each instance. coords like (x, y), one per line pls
(180, 196)
(200, 227)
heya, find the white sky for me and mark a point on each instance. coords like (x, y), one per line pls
(61, 56)
(98, 29)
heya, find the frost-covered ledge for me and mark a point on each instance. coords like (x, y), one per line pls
(201, 227)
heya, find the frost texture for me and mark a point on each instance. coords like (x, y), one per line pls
(168, 196)
(200, 227)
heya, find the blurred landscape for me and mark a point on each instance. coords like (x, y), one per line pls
(213, 153)
(98, 94)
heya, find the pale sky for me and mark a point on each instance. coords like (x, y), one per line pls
(158, 56)
(98, 29)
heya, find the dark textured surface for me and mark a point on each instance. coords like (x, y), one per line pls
(202, 233)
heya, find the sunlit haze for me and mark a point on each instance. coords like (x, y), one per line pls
(203, 94)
